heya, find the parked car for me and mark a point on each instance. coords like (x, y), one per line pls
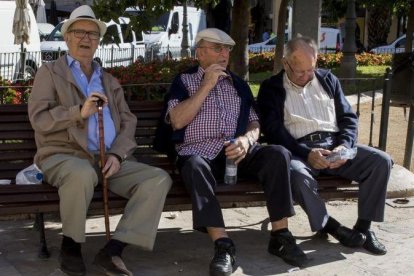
(44, 30)
(330, 41)
(11, 56)
(397, 46)
(117, 47)
(265, 46)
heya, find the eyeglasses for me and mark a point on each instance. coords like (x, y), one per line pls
(82, 33)
(219, 48)
(301, 73)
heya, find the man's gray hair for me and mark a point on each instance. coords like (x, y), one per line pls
(300, 42)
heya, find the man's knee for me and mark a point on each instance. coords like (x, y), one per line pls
(277, 153)
(196, 173)
(193, 164)
(83, 178)
(163, 180)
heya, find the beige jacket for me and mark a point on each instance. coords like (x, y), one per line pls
(54, 112)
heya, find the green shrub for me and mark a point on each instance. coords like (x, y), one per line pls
(264, 61)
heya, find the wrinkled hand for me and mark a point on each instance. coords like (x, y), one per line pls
(338, 163)
(211, 75)
(90, 105)
(317, 160)
(111, 167)
(237, 150)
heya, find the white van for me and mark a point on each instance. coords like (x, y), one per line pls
(330, 40)
(10, 53)
(166, 33)
(117, 47)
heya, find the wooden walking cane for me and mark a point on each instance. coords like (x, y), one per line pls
(102, 157)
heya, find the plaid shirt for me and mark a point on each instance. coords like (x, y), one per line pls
(216, 121)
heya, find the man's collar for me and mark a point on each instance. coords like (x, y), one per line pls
(72, 61)
(294, 85)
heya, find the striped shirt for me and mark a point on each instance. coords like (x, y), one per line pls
(308, 109)
(216, 122)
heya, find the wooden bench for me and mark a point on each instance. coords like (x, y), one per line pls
(17, 148)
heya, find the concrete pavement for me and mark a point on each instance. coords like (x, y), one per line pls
(181, 251)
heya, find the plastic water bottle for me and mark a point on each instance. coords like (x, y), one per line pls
(230, 174)
(342, 154)
(30, 175)
(33, 176)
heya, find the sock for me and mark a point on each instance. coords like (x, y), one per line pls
(362, 225)
(115, 247)
(279, 231)
(69, 245)
(224, 240)
(331, 226)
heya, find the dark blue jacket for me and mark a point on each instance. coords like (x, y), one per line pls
(271, 101)
(179, 91)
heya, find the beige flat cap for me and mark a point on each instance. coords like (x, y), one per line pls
(214, 35)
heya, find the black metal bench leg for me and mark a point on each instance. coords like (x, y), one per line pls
(40, 226)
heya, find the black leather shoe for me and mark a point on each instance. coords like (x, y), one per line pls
(224, 259)
(349, 237)
(284, 246)
(71, 262)
(373, 245)
(111, 265)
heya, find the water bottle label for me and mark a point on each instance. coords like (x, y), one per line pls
(231, 171)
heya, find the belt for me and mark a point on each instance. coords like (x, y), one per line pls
(317, 136)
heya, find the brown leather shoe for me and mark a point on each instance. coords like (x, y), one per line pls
(111, 265)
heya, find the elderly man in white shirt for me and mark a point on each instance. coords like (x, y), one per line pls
(304, 109)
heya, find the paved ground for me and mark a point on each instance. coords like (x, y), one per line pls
(180, 251)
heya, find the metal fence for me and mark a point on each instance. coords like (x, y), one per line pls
(12, 67)
(11, 63)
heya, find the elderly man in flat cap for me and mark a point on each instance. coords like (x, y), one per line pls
(63, 113)
(209, 106)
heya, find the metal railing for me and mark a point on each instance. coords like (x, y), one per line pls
(11, 63)
(12, 67)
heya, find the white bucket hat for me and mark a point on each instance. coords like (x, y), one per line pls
(83, 12)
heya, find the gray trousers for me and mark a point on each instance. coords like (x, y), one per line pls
(146, 188)
(370, 168)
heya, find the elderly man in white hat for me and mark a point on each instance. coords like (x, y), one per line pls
(63, 113)
(209, 106)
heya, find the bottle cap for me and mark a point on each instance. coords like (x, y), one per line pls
(39, 176)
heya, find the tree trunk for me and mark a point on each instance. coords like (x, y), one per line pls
(280, 41)
(410, 29)
(239, 58)
(379, 23)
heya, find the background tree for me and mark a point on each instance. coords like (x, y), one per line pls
(280, 34)
(149, 10)
(379, 20)
(239, 59)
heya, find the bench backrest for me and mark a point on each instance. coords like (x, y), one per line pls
(18, 147)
